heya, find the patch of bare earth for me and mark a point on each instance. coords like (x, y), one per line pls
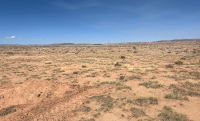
(43, 100)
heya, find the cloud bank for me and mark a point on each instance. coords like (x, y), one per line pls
(12, 37)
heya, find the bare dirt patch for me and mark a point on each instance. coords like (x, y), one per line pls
(44, 100)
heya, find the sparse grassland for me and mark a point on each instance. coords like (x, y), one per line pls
(151, 84)
(127, 81)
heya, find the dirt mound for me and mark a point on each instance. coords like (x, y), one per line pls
(43, 100)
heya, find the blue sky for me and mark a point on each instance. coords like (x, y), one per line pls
(97, 21)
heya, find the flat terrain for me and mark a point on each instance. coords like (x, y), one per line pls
(157, 81)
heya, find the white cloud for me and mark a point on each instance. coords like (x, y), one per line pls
(12, 37)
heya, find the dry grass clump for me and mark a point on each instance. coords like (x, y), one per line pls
(136, 112)
(168, 114)
(195, 74)
(119, 85)
(151, 84)
(123, 78)
(145, 100)
(117, 64)
(175, 95)
(182, 91)
(153, 100)
(7, 111)
(85, 109)
(169, 66)
(105, 101)
(179, 62)
(122, 57)
(75, 72)
(83, 66)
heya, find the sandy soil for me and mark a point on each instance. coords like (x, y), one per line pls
(115, 82)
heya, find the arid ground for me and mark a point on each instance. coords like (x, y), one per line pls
(158, 81)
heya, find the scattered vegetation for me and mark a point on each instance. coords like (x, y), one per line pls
(182, 91)
(169, 66)
(119, 85)
(105, 101)
(126, 64)
(141, 100)
(136, 112)
(83, 119)
(153, 100)
(83, 66)
(168, 114)
(123, 78)
(117, 64)
(75, 72)
(122, 57)
(151, 84)
(6, 111)
(195, 74)
(145, 100)
(173, 95)
(58, 70)
(179, 62)
(85, 109)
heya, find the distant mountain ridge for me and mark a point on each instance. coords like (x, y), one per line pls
(178, 40)
(174, 40)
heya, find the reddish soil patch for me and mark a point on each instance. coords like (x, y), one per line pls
(43, 100)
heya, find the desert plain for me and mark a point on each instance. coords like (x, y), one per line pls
(146, 81)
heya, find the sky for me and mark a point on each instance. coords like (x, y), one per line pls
(97, 21)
